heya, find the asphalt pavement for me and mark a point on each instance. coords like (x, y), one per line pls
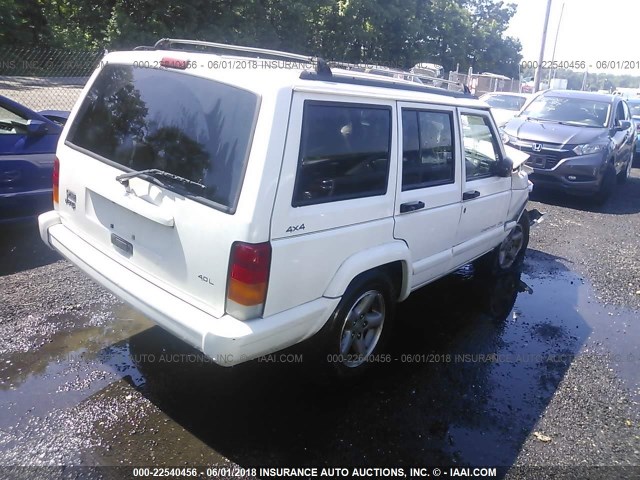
(481, 373)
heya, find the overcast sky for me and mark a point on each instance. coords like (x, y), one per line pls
(590, 30)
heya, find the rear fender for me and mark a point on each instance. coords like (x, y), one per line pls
(370, 259)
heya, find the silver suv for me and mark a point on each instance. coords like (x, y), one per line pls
(578, 141)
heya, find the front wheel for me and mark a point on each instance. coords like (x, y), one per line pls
(607, 185)
(360, 325)
(510, 252)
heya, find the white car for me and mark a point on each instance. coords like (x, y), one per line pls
(505, 105)
(246, 208)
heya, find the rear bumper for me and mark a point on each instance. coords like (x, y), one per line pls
(226, 340)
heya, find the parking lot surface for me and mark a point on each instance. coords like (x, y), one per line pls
(478, 374)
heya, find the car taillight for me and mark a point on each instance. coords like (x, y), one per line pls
(248, 279)
(56, 180)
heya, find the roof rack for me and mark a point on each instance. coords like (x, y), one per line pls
(369, 81)
(168, 44)
(322, 68)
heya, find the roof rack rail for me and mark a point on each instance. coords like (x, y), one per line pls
(373, 82)
(167, 44)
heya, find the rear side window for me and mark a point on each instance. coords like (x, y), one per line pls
(427, 149)
(144, 118)
(344, 152)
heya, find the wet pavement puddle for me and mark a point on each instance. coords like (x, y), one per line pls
(462, 387)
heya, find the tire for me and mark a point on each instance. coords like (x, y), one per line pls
(497, 294)
(360, 326)
(607, 185)
(624, 175)
(510, 253)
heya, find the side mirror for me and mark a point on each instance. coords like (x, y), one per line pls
(623, 125)
(36, 127)
(504, 168)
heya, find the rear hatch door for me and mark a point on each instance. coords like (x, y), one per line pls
(151, 171)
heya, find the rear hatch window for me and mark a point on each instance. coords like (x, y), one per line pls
(201, 131)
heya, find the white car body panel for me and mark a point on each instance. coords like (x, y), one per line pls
(177, 271)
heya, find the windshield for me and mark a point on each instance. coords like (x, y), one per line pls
(506, 102)
(144, 118)
(579, 111)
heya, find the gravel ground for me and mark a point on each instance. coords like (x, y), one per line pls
(594, 416)
(602, 243)
(586, 415)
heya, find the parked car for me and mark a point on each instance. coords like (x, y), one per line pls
(27, 148)
(578, 141)
(505, 105)
(248, 212)
(428, 69)
(634, 108)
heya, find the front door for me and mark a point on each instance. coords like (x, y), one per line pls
(485, 195)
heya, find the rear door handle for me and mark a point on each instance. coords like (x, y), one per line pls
(470, 195)
(411, 206)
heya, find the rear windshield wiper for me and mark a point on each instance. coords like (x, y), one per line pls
(153, 172)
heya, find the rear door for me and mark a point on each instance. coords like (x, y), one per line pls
(176, 234)
(428, 192)
(335, 194)
(485, 195)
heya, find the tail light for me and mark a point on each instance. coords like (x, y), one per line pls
(56, 181)
(248, 279)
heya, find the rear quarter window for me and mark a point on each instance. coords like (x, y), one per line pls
(196, 128)
(344, 152)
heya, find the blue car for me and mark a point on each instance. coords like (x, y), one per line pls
(634, 107)
(28, 142)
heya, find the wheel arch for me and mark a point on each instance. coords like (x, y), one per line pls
(391, 259)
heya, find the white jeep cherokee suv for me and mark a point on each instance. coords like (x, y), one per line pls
(248, 203)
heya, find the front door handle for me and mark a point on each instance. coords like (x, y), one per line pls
(411, 206)
(471, 194)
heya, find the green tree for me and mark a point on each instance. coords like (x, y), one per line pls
(23, 23)
(396, 32)
(77, 24)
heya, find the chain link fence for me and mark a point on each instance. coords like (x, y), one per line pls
(45, 79)
(51, 79)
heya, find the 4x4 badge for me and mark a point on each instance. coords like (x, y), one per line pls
(536, 147)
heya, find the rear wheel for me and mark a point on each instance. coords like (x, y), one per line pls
(360, 326)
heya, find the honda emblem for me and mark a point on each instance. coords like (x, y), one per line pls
(536, 147)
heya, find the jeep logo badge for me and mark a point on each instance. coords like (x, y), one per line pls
(536, 147)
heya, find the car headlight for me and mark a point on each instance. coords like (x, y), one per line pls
(505, 138)
(589, 148)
